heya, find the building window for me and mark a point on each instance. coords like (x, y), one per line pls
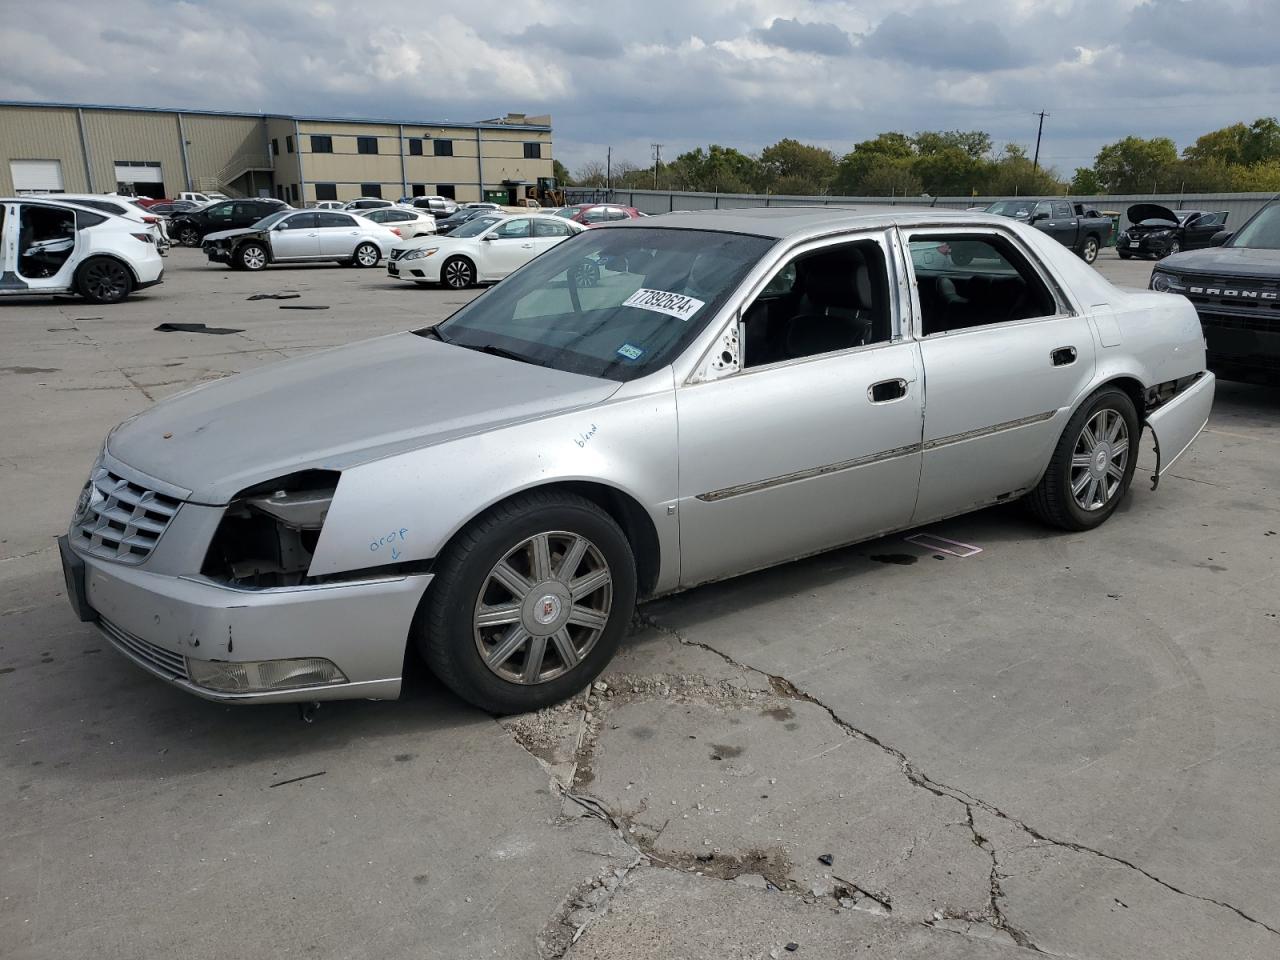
(533, 151)
(419, 189)
(370, 189)
(288, 144)
(444, 148)
(275, 148)
(415, 146)
(293, 193)
(366, 144)
(326, 191)
(446, 190)
(322, 145)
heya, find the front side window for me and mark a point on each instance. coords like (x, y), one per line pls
(475, 227)
(301, 221)
(221, 210)
(513, 230)
(366, 144)
(973, 280)
(1260, 233)
(1044, 210)
(596, 215)
(616, 304)
(820, 302)
(1061, 210)
(1020, 209)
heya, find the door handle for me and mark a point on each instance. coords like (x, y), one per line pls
(887, 391)
(527, 246)
(1063, 356)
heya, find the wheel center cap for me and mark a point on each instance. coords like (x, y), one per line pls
(547, 609)
(1101, 458)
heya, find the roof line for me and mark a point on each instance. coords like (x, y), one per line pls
(474, 125)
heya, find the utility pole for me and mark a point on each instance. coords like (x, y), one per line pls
(608, 169)
(1035, 164)
(657, 161)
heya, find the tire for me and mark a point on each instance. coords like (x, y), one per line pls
(1174, 247)
(189, 236)
(103, 280)
(366, 255)
(1085, 480)
(458, 273)
(491, 665)
(1124, 256)
(252, 256)
(1089, 250)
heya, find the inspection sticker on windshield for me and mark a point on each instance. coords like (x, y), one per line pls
(630, 351)
(660, 301)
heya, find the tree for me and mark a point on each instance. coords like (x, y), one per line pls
(973, 143)
(891, 179)
(950, 171)
(804, 168)
(719, 169)
(560, 172)
(853, 169)
(1135, 165)
(1085, 182)
(591, 174)
(1259, 142)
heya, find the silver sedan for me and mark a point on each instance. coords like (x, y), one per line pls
(641, 409)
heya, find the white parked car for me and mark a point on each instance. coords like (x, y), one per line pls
(126, 207)
(51, 246)
(292, 236)
(367, 203)
(404, 222)
(436, 206)
(480, 251)
(328, 205)
(202, 198)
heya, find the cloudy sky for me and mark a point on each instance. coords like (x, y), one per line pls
(680, 72)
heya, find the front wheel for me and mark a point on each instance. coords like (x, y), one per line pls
(189, 237)
(1174, 247)
(1089, 252)
(1124, 256)
(458, 273)
(103, 280)
(529, 603)
(366, 255)
(1092, 465)
(252, 256)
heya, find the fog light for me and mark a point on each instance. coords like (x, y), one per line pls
(260, 676)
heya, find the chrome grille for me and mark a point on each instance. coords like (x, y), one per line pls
(122, 520)
(397, 254)
(164, 661)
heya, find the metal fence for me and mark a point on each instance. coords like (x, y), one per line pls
(1239, 206)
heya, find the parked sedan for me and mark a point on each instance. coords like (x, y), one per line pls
(735, 389)
(292, 236)
(404, 222)
(367, 203)
(1159, 232)
(480, 251)
(595, 214)
(463, 215)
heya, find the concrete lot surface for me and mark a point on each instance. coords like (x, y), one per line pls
(1064, 745)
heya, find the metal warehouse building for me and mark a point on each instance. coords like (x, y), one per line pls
(84, 148)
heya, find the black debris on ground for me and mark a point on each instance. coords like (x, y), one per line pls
(303, 306)
(827, 858)
(196, 328)
(274, 296)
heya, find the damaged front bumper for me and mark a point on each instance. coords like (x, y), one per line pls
(184, 629)
(1176, 423)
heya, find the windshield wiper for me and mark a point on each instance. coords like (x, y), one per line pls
(496, 351)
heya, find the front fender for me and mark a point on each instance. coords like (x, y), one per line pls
(407, 507)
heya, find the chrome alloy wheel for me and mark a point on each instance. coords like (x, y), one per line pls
(253, 257)
(457, 274)
(367, 255)
(543, 607)
(1099, 459)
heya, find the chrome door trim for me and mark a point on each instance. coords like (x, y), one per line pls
(840, 466)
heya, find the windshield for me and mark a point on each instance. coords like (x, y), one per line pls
(1011, 208)
(566, 212)
(617, 304)
(475, 226)
(1260, 233)
(270, 220)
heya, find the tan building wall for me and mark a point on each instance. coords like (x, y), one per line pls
(29, 133)
(234, 153)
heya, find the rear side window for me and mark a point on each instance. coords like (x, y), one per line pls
(549, 228)
(968, 281)
(329, 219)
(86, 219)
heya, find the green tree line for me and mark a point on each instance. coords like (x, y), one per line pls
(1238, 158)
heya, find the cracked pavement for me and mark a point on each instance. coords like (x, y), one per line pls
(1064, 746)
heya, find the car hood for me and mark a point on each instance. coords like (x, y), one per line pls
(1150, 211)
(227, 234)
(338, 408)
(1226, 262)
(431, 240)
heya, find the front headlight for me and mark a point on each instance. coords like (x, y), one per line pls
(420, 254)
(1167, 283)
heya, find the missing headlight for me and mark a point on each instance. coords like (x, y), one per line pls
(269, 532)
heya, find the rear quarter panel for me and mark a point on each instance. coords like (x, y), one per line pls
(1160, 338)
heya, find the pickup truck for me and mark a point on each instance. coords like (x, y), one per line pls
(1072, 224)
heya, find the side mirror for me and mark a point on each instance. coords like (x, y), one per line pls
(490, 236)
(1221, 237)
(1037, 217)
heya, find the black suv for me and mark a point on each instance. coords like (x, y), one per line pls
(190, 228)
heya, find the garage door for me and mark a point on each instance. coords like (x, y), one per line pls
(36, 176)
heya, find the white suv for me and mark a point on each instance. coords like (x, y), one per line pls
(126, 207)
(51, 246)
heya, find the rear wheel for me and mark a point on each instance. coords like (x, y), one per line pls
(103, 280)
(189, 237)
(366, 255)
(1089, 252)
(1092, 465)
(252, 256)
(529, 603)
(458, 273)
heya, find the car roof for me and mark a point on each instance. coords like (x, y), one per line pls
(60, 203)
(782, 222)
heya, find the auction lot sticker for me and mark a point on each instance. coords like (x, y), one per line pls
(660, 301)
